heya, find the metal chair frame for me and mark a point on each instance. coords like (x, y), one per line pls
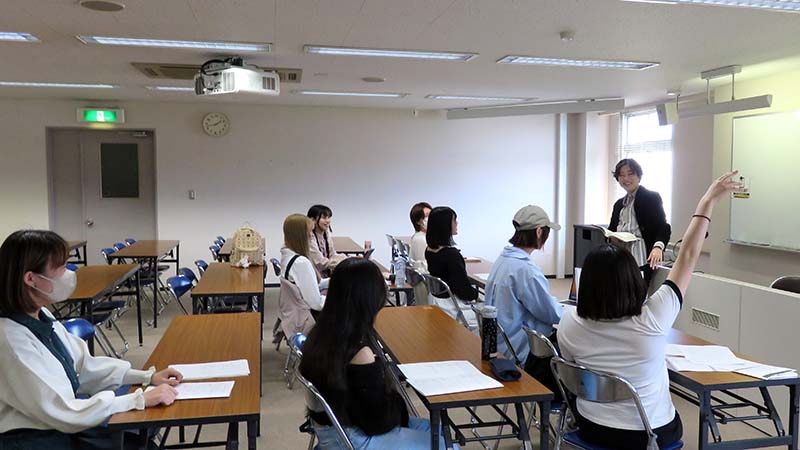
(293, 357)
(317, 403)
(437, 287)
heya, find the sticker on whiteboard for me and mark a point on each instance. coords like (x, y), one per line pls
(744, 192)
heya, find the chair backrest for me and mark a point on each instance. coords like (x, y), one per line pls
(214, 252)
(369, 252)
(296, 343)
(414, 276)
(390, 239)
(541, 347)
(81, 328)
(276, 266)
(179, 285)
(220, 238)
(130, 241)
(72, 267)
(789, 284)
(439, 289)
(119, 246)
(598, 387)
(201, 266)
(188, 273)
(105, 252)
(219, 243)
(316, 403)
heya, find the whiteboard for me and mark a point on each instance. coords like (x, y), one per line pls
(766, 150)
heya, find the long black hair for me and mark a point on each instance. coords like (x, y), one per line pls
(440, 227)
(356, 293)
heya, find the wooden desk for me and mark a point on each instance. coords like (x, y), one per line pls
(201, 339)
(224, 280)
(75, 252)
(703, 384)
(347, 246)
(476, 267)
(149, 253)
(97, 282)
(425, 334)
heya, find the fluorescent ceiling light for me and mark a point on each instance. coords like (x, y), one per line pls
(551, 107)
(592, 63)
(352, 94)
(418, 54)
(478, 97)
(773, 5)
(171, 88)
(264, 47)
(17, 37)
(742, 104)
(56, 85)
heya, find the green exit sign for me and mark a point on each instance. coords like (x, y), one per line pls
(95, 115)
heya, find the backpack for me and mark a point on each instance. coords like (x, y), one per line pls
(293, 311)
(247, 242)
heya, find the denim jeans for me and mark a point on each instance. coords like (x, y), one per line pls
(416, 437)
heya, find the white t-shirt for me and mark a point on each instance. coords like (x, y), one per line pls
(417, 247)
(633, 348)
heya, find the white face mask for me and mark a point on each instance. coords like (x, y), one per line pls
(425, 223)
(63, 286)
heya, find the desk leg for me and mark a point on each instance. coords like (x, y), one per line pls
(177, 259)
(139, 304)
(794, 409)
(544, 423)
(435, 425)
(703, 410)
(233, 436)
(156, 290)
(448, 438)
(524, 436)
(252, 433)
(90, 315)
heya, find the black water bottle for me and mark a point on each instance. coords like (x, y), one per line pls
(488, 332)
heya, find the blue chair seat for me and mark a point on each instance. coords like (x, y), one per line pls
(109, 305)
(80, 327)
(574, 439)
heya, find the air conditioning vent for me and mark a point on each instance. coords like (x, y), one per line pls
(187, 71)
(705, 318)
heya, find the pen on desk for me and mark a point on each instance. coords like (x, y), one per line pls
(770, 375)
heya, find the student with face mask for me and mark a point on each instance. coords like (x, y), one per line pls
(419, 219)
(54, 393)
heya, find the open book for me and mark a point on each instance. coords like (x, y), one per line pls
(622, 236)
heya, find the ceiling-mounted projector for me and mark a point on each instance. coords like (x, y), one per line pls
(232, 76)
(670, 112)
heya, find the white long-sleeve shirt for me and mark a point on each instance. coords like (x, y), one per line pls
(303, 275)
(417, 247)
(36, 392)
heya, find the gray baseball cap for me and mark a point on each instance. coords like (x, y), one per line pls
(532, 217)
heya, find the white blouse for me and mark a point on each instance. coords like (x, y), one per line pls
(36, 392)
(302, 274)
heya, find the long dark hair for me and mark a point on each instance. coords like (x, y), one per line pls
(611, 285)
(26, 251)
(440, 227)
(356, 293)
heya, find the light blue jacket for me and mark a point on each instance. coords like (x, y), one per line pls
(521, 293)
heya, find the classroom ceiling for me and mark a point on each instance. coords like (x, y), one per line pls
(685, 39)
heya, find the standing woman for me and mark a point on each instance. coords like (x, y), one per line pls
(640, 212)
(445, 262)
(339, 360)
(320, 244)
(419, 219)
(45, 369)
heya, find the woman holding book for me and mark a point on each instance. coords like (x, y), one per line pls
(641, 213)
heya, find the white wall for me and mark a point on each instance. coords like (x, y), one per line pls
(368, 165)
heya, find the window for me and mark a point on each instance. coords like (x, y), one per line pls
(643, 139)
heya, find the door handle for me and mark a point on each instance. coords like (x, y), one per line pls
(89, 222)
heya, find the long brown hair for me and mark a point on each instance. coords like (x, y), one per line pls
(22, 252)
(295, 233)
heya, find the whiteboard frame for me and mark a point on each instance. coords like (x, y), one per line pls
(730, 239)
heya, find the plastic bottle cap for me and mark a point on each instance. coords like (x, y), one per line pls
(489, 312)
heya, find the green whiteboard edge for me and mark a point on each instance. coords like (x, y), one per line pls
(764, 246)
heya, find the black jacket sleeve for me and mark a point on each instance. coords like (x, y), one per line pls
(614, 223)
(652, 218)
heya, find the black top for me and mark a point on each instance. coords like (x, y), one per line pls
(449, 265)
(649, 210)
(368, 404)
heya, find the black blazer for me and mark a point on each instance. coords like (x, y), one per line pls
(649, 210)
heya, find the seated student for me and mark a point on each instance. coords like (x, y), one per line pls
(338, 358)
(615, 329)
(419, 219)
(320, 244)
(445, 262)
(300, 298)
(45, 369)
(521, 293)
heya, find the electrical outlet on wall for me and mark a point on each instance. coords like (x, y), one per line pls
(191, 194)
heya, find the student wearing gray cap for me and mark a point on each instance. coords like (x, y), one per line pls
(521, 293)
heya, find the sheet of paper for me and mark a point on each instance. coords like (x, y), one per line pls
(482, 276)
(205, 371)
(447, 377)
(195, 391)
(766, 372)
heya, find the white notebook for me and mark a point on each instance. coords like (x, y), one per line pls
(205, 371)
(195, 391)
(482, 276)
(447, 377)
